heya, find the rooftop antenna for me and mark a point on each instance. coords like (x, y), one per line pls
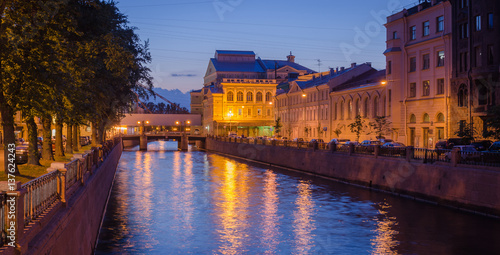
(319, 65)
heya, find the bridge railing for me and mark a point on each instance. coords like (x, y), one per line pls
(39, 195)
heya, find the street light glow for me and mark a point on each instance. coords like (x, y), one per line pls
(304, 95)
(147, 121)
(138, 122)
(383, 82)
(188, 122)
(176, 123)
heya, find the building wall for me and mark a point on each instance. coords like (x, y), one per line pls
(477, 54)
(414, 84)
(462, 187)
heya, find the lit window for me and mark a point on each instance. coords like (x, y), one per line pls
(239, 96)
(478, 23)
(249, 97)
(229, 96)
(426, 88)
(440, 58)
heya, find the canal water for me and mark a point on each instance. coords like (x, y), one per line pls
(171, 202)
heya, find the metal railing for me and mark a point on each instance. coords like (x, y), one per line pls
(421, 154)
(41, 193)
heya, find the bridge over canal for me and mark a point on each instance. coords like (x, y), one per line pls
(182, 138)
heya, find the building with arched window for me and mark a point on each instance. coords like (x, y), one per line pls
(234, 86)
(419, 60)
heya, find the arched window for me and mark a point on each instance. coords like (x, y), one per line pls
(249, 97)
(341, 110)
(349, 109)
(335, 112)
(365, 112)
(375, 107)
(358, 108)
(258, 97)
(239, 96)
(230, 96)
(269, 96)
(462, 95)
(426, 118)
(413, 119)
(440, 117)
(483, 93)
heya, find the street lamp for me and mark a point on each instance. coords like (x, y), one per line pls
(183, 123)
(230, 115)
(142, 123)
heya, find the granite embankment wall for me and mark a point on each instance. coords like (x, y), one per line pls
(74, 227)
(474, 188)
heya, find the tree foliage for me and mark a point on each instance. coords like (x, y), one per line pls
(357, 126)
(493, 123)
(278, 125)
(74, 61)
(381, 126)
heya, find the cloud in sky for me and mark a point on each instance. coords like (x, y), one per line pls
(183, 75)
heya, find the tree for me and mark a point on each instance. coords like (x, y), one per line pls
(320, 131)
(381, 126)
(278, 125)
(493, 123)
(357, 126)
(466, 132)
(307, 130)
(337, 132)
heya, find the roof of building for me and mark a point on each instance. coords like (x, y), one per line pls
(370, 77)
(235, 52)
(270, 64)
(237, 66)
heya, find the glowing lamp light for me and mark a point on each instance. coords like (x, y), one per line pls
(383, 82)
(270, 102)
(176, 123)
(188, 122)
(147, 121)
(138, 122)
(303, 95)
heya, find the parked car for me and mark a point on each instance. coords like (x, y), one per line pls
(298, 140)
(348, 143)
(467, 152)
(20, 141)
(448, 144)
(84, 140)
(495, 147)
(482, 145)
(393, 145)
(384, 140)
(370, 143)
(40, 140)
(22, 153)
(317, 140)
(339, 141)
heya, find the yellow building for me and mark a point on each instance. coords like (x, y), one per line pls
(239, 90)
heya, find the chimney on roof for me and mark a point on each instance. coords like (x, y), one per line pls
(342, 68)
(353, 65)
(290, 58)
(369, 64)
(337, 70)
(331, 71)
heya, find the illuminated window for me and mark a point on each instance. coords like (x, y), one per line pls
(249, 97)
(413, 33)
(259, 112)
(258, 97)
(268, 96)
(239, 96)
(230, 96)
(440, 58)
(426, 88)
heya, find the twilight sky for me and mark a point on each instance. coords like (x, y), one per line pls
(184, 34)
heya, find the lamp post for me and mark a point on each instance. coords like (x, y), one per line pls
(230, 115)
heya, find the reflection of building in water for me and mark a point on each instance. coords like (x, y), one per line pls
(303, 223)
(270, 230)
(231, 205)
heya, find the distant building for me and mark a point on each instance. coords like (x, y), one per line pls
(239, 90)
(476, 66)
(305, 105)
(419, 62)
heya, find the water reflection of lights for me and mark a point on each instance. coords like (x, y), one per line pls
(385, 240)
(303, 219)
(270, 230)
(232, 206)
